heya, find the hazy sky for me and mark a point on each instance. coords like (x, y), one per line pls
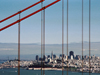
(31, 27)
(28, 51)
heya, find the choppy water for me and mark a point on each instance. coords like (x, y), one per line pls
(38, 72)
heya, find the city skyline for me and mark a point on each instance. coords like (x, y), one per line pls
(61, 37)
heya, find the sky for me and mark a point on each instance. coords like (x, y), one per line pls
(31, 27)
(29, 51)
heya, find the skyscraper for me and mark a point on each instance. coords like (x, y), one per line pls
(37, 58)
(71, 53)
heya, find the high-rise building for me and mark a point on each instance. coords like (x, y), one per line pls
(44, 57)
(37, 58)
(48, 56)
(78, 57)
(71, 57)
(71, 53)
(62, 56)
(54, 56)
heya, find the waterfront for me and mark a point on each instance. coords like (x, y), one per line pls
(54, 62)
(13, 71)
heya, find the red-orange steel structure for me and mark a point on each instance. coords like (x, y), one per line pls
(27, 15)
(21, 11)
(18, 21)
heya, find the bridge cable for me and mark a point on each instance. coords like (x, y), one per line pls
(41, 37)
(62, 34)
(67, 37)
(82, 37)
(19, 45)
(89, 36)
(44, 40)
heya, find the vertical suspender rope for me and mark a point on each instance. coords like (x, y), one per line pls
(67, 37)
(44, 40)
(62, 33)
(19, 45)
(89, 37)
(41, 37)
(82, 37)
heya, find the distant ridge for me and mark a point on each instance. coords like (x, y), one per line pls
(35, 48)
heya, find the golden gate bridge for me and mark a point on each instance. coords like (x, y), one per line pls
(42, 9)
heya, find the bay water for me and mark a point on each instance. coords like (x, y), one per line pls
(13, 71)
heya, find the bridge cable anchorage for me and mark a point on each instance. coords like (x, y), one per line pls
(67, 38)
(89, 37)
(62, 34)
(82, 37)
(19, 45)
(41, 38)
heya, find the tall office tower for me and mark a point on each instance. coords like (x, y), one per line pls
(71, 53)
(78, 57)
(54, 56)
(44, 57)
(66, 57)
(71, 57)
(62, 55)
(37, 58)
(48, 56)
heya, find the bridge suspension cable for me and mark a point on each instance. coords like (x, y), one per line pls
(19, 46)
(21, 11)
(89, 37)
(44, 39)
(67, 38)
(82, 37)
(62, 34)
(29, 15)
(41, 38)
